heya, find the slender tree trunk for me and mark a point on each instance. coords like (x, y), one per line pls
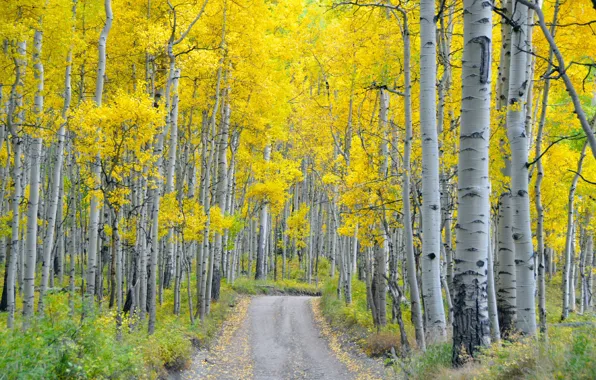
(96, 166)
(582, 267)
(518, 141)
(505, 57)
(538, 185)
(55, 191)
(34, 187)
(589, 276)
(431, 204)
(222, 188)
(569, 240)
(31, 243)
(506, 290)
(408, 234)
(17, 142)
(172, 125)
(492, 300)
(261, 257)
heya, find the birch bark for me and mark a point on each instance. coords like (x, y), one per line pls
(518, 141)
(471, 326)
(431, 203)
(34, 187)
(506, 290)
(14, 118)
(261, 255)
(55, 191)
(408, 234)
(569, 240)
(96, 166)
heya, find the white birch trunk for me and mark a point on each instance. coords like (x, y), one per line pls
(492, 300)
(471, 326)
(518, 141)
(588, 280)
(34, 187)
(541, 249)
(17, 142)
(221, 195)
(569, 241)
(173, 127)
(505, 57)
(261, 258)
(431, 204)
(506, 290)
(55, 191)
(408, 234)
(96, 166)
(31, 242)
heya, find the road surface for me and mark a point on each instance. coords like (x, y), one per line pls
(278, 337)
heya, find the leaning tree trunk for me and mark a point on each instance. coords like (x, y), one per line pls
(518, 141)
(431, 204)
(471, 326)
(562, 70)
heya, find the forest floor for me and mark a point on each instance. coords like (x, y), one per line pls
(280, 337)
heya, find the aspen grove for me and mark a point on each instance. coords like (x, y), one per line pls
(441, 153)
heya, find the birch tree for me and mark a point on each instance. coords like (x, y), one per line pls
(431, 204)
(471, 326)
(35, 151)
(569, 240)
(518, 141)
(96, 166)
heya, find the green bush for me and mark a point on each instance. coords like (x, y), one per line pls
(60, 346)
(65, 349)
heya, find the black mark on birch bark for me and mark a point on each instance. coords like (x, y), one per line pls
(484, 42)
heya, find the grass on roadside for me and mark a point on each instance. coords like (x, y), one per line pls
(60, 346)
(567, 354)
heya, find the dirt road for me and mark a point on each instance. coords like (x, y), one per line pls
(278, 338)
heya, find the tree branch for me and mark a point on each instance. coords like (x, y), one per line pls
(176, 42)
(579, 174)
(550, 146)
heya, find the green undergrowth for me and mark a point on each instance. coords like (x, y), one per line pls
(294, 283)
(58, 346)
(61, 346)
(356, 320)
(568, 353)
(289, 287)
